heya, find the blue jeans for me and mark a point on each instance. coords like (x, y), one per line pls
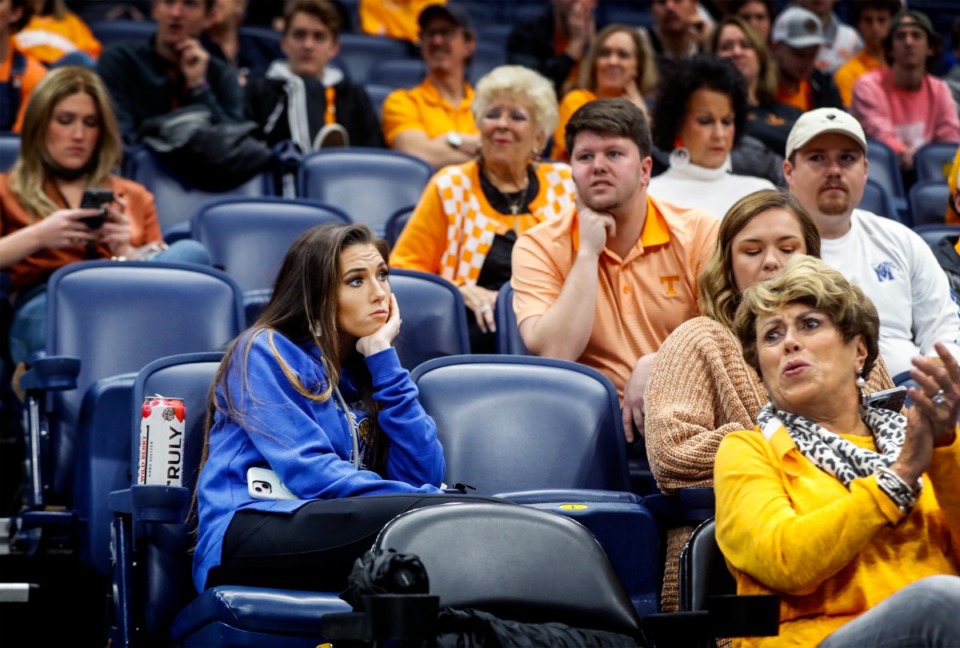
(28, 330)
(925, 614)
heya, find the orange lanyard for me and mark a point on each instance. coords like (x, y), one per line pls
(330, 115)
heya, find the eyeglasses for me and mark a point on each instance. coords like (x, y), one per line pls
(446, 33)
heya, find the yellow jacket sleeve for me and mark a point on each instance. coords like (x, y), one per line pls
(790, 542)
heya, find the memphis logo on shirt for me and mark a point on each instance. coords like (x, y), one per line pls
(884, 271)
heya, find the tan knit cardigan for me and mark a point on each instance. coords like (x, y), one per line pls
(700, 388)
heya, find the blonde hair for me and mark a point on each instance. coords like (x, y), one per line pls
(812, 282)
(646, 65)
(716, 286)
(30, 170)
(523, 83)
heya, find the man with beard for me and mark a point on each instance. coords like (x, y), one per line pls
(606, 281)
(826, 170)
(433, 120)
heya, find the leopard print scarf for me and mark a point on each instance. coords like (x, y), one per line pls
(832, 453)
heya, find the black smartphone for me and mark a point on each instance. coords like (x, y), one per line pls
(96, 199)
(891, 399)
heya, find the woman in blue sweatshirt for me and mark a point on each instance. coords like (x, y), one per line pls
(312, 409)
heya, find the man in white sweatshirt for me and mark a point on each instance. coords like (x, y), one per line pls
(826, 170)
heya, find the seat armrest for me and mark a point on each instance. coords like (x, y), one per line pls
(560, 495)
(386, 616)
(151, 503)
(51, 373)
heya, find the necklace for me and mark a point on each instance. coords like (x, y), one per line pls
(513, 203)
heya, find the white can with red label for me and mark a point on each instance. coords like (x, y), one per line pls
(162, 423)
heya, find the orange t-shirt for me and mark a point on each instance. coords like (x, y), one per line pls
(802, 99)
(48, 39)
(853, 69)
(32, 74)
(572, 101)
(393, 18)
(641, 299)
(144, 229)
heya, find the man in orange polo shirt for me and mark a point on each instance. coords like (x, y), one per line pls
(433, 120)
(606, 282)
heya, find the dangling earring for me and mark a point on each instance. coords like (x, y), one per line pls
(861, 385)
(680, 155)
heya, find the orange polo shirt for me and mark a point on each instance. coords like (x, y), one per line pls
(641, 299)
(32, 74)
(422, 108)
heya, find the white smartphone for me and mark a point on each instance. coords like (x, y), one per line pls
(263, 483)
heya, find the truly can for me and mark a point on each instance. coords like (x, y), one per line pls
(162, 422)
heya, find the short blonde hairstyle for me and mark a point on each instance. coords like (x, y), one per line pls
(29, 171)
(812, 282)
(524, 84)
(646, 64)
(717, 286)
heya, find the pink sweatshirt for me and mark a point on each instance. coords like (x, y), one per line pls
(905, 119)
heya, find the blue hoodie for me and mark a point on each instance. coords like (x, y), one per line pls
(307, 443)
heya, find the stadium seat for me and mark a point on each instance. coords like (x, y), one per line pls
(878, 200)
(114, 32)
(486, 57)
(249, 237)
(9, 150)
(155, 602)
(928, 202)
(704, 576)
(176, 199)
(508, 333)
(105, 321)
(933, 161)
(360, 52)
(516, 562)
(369, 184)
(885, 169)
(377, 93)
(398, 73)
(934, 233)
(434, 317)
(396, 223)
(513, 423)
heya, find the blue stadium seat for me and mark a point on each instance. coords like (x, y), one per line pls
(434, 317)
(154, 601)
(377, 93)
(397, 73)
(936, 232)
(396, 223)
(885, 169)
(106, 320)
(928, 202)
(9, 150)
(176, 199)
(486, 57)
(508, 333)
(248, 237)
(360, 52)
(878, 200)
(369, 184)
(114, 32)
(933, 161)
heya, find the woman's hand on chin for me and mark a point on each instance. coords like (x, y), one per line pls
(383, 337)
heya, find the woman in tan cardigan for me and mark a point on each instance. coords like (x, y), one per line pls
(700, 387)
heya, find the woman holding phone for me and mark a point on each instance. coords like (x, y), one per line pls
(69, 146)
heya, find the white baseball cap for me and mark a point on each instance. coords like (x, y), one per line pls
(824, 120)
(798, 27)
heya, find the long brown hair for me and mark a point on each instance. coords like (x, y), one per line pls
(717, 287)
(304, 308)
(30, 170)
(646, 66)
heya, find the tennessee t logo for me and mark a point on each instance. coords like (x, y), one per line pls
(668, 282)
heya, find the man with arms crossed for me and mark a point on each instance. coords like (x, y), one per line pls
(826, 169)
(606, 282)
